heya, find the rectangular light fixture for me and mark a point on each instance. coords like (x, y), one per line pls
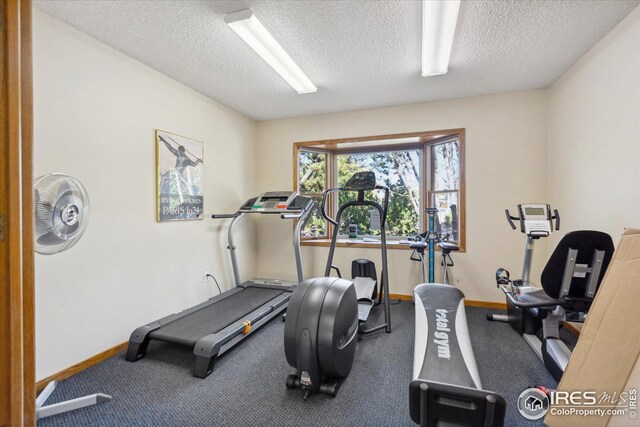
(255, 34)
(439, 18)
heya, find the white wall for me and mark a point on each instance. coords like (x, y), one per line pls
(593, 136)
(95, 114)
(505, 164)
(576, 145)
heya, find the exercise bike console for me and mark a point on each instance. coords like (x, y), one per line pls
(535, 219)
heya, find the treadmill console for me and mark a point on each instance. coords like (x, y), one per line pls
(361, 181)
(535, 219)
(272, 202)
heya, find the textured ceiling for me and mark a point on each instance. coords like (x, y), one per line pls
(360, 54)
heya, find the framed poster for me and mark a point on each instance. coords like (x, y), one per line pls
(179, 167)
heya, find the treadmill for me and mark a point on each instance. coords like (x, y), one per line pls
(216, 325)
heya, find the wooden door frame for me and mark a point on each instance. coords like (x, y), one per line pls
(17, 362)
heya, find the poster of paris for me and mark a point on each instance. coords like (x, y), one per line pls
(179, 162)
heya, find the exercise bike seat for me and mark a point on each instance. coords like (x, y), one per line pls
(448, 247)
(538, 298)
(419, 246)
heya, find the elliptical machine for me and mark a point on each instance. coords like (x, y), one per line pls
(325, 315)
(569, 282)
(320, 334)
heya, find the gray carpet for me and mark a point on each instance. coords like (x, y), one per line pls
(247, 387)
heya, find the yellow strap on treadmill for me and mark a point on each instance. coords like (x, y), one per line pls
(247, 326)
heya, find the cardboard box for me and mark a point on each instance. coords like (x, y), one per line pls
(606, 357)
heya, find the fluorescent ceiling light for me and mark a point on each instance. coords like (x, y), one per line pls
(256, 35)
(439, 19)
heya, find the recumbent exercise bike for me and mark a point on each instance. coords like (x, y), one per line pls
(569, 283)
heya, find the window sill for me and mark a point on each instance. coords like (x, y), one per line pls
(358, 243)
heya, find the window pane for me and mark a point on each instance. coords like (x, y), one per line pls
(316, 225)
(311, 172)
(360, 216)
(448, 213)
(446, 166)
(398, 170)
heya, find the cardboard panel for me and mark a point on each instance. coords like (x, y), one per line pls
(609, 346)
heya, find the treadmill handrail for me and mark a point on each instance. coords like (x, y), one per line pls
(303, 212)
(300, 215)
(225, 216)
(292, 215)
(301, 220)
(232, 249)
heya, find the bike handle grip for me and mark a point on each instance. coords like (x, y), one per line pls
(510, 218)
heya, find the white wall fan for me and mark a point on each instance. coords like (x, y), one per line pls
(61, 210)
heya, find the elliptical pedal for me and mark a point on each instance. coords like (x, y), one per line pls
(365, 287)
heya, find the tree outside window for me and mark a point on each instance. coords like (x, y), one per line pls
(397, 170)
(422, 169)
(445, 186)
(312, 181)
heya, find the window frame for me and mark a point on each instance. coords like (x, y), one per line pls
(424, 141)
(327, 171)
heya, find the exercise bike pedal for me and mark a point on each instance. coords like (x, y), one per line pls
(449, 262)
(502, 277)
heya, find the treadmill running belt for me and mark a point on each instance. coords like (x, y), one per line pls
(215, 317)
